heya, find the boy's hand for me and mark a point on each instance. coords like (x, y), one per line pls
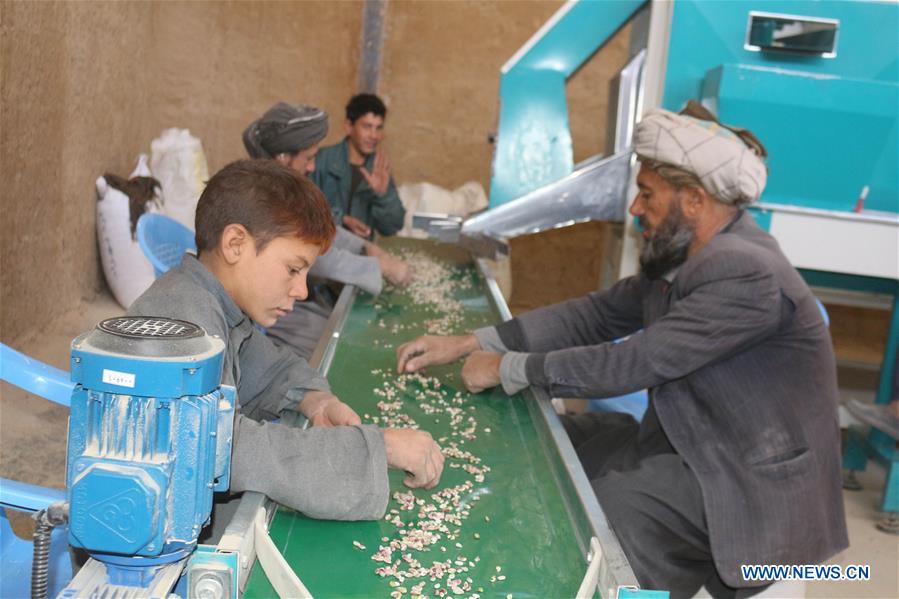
(481, 371)
(415, 452)
(414, 355)
(324, 409)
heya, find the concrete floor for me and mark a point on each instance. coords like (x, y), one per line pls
(33, 442)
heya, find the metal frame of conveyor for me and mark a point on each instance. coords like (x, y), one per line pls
(611, 574)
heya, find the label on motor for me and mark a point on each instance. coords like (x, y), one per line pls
(121, 379)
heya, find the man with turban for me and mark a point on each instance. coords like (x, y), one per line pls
(291, 134)
(737, 459)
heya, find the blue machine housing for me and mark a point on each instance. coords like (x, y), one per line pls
(829, 123)
(149, 438)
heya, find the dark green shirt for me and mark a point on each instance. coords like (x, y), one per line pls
(334, 176)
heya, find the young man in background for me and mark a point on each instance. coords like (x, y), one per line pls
(355, 174)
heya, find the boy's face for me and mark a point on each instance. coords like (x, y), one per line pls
(365, 133)
(266, 283)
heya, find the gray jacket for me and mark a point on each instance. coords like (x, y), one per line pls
(344, 264)
(336, 473)
(744, 384)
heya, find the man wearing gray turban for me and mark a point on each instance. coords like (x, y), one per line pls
(291, 134)
(286, 129)
(737, 459)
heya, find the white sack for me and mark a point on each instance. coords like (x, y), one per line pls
(427, 197)
(127, 270)
(179, 164)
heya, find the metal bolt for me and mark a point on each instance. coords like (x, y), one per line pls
(77, 360)
(191, 371)
(208, 588)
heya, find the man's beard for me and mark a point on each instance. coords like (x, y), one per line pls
(667, 247)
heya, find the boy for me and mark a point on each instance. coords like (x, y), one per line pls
(355, 174)
(259, 228)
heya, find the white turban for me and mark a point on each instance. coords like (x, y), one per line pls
(727, 166)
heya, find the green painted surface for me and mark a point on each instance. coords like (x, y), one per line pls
(528, 535)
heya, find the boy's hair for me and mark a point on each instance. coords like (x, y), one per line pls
(361, 104)
(269, 199)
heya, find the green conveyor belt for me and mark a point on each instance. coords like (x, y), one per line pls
(520, 517)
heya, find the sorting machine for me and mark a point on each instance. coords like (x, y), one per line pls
(149, 435)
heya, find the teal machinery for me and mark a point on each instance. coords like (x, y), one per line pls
(149, 442)
(818, 82)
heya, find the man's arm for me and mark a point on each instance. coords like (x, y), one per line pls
(592, 319)
(338, 264)
(595, 318)
(734, 304)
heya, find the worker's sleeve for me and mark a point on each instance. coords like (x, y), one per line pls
(337, 473)
(273, 379)
(344, 264)
(594, 318)
(489, 340)
(387, 211)
(348, 241)
(734, 303)
(513, 372)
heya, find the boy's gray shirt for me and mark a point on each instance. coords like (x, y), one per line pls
(336, 473)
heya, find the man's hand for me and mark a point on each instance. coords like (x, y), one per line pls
(415, 452)
(414, 355)
(395, 270)
(356, 226)
(481, 371)
(379, 178)
(324, 409)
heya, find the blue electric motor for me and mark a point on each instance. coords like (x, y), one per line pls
(149, 441)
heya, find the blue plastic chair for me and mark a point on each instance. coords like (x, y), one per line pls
(163, 241)
(35, 376)
(16, 553)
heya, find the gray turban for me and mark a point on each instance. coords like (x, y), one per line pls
(285, 128)
(728, 161)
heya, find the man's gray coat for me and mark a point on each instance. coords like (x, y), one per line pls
(742, 372)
